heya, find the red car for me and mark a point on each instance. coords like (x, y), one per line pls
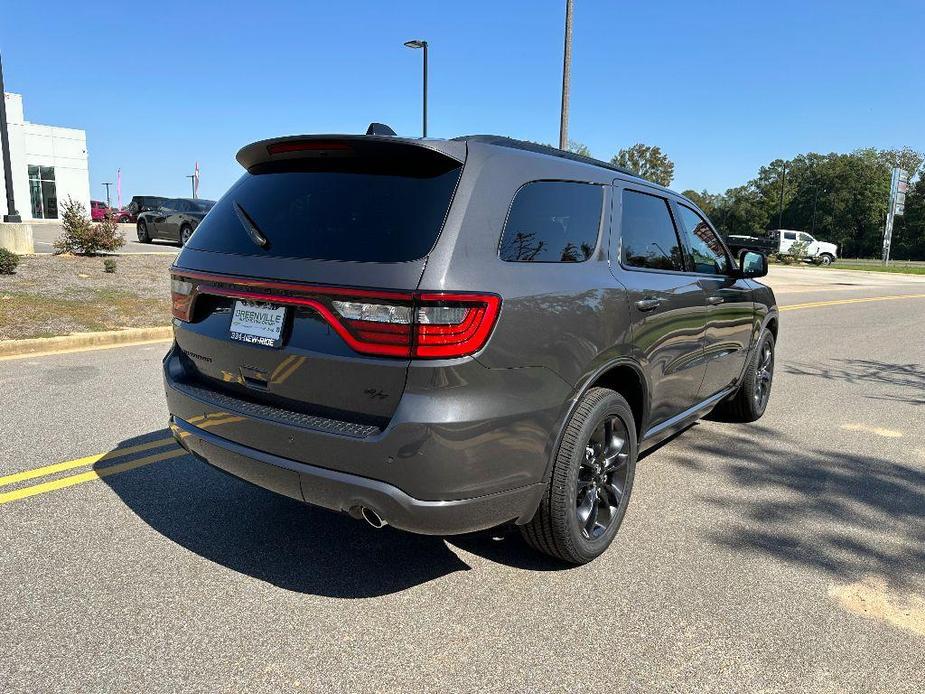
(98, 210)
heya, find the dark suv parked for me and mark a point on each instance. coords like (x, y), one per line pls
(452, 335)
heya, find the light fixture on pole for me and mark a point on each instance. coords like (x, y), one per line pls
(418, 43)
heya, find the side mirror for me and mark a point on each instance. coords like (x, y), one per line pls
(752, 264)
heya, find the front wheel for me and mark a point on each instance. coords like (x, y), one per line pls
(589, 485)
(825, 260)
(751, 399)
(143, 236)
(185, 233)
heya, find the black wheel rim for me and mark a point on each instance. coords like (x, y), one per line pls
(764, 375)
(601, 482)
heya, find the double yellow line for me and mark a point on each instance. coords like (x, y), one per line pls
(168, 443)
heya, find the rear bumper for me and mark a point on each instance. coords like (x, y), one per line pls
(340, 491)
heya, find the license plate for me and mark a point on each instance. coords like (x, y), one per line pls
(257, 324)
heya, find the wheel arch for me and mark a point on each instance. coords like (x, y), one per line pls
(623, 375)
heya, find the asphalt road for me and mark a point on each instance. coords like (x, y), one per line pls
(786, 555)
(44, 235)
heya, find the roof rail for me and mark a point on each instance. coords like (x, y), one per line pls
(536, 147)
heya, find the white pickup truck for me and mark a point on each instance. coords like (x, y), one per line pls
(781, 241)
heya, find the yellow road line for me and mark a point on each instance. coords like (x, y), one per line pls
(90, 348)
(79, 462)
(836, 302)
(88, 476)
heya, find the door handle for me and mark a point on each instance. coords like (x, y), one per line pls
(648, 304)
(714, 300)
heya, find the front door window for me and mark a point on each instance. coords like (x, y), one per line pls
(43, 192)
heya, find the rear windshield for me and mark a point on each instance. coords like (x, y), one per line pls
(350, 209)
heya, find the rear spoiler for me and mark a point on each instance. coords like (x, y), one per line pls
(342, 146)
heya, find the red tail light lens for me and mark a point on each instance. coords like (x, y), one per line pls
(453, 325)
(181, 296)
(424, 325)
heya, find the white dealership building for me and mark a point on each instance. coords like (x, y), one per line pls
(48, 164)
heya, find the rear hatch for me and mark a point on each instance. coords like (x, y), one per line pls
(297, 292)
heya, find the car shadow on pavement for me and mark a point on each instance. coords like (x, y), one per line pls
(908, 379)
(273, 538)
(843, 512)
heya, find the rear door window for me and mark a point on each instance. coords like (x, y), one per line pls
(388, 210)
(552, 222)
(649, 239)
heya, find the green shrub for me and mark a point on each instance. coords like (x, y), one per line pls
(109, 265)
(8, 262)
(81, 237)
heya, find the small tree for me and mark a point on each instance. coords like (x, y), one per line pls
(81, 237)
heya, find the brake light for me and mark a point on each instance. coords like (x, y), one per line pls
(181, 296)
(453, 325)
(439, 325)
(306, 146)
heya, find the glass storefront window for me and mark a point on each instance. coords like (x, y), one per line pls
(43, 191)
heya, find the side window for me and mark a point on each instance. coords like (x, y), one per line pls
(648, 234)
(552, 222)
(707, 252)
(790, 235)
(806, 238)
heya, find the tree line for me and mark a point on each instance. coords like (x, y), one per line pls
(841, 198)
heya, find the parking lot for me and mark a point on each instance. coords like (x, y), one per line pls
(786, 555)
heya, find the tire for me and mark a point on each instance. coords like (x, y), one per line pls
(124, 220)
(751, 399)
(582, 482)
(825, 260)
(143, 236)
(185, 232)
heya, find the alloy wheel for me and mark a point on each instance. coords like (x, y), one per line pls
(602, 477)
(185, 234)
(763, 375)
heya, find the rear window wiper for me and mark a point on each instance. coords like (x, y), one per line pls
(250, 226)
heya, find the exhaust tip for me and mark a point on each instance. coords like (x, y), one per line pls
(373, 518)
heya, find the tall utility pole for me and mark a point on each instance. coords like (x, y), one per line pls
(566, 76)
(780, 209)
(11, 214)
(192, 180)
(108, 203)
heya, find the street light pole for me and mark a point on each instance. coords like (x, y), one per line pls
(108, 203)
(420, 43)
(192, 178)
(566, 77)
(11, 214)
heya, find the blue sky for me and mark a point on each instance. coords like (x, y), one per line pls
(722, 87)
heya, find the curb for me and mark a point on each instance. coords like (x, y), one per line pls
(78, 342)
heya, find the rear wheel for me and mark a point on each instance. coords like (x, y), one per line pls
(590, 481)
(751, 399)
(143, 236)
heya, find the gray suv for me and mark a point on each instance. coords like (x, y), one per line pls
(452, 335)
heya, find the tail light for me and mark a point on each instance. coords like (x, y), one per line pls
(436, 325)
(424, 325)
(181, 296)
